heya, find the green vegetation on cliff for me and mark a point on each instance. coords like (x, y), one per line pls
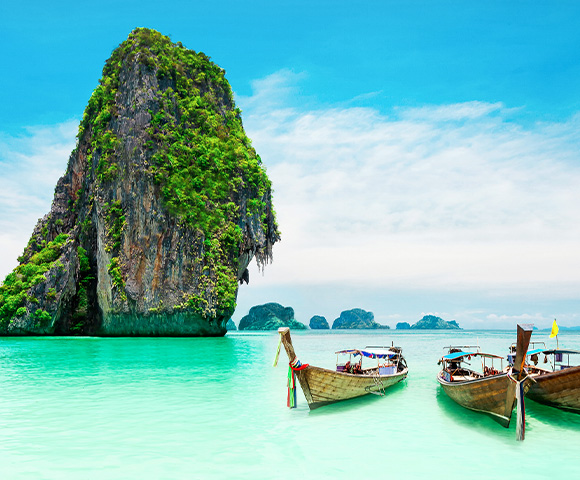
(199, 153)
(14, 290)
(201, 157)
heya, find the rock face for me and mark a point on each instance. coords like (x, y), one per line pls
(231, 326)
(163, 205)
(357, 318)
(319, 323)
(270, 316)
(431, 322)
(403, 326)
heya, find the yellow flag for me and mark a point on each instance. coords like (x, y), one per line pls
(554, 329)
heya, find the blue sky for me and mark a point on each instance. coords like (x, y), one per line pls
(424, 155)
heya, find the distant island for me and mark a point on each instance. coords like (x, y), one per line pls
(565, 329)
(403, 326)
(431, 322)
(270, 316)
(357, 318)
(231, 326)
(318, 322)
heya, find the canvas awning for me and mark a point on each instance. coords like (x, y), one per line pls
(456, 355)
(534, 352)
(568, 352)
(370, 352)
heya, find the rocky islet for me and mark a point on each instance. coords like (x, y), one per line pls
(270, 316)
(163, 205)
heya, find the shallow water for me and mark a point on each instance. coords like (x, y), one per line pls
(167, 408)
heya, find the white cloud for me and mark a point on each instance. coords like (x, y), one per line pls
(31, 164)
(523, 318)
(455, 112)
(273, 91)
(440, 197)
(449, 198)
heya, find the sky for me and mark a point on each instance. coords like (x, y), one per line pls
(424, 155)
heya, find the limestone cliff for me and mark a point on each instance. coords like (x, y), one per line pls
(163, 205)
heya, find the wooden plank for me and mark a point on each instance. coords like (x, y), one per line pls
(493, 395)
(560, 389)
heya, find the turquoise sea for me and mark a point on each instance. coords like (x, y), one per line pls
(188, 408)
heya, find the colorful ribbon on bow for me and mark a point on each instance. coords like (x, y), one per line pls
(294, 366)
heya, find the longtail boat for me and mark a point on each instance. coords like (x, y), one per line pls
(491, 391)
(322, 386)
(557, 383)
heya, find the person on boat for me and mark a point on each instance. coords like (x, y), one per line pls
(489, 371)
(357, 369)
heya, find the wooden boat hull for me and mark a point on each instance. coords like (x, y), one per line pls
(494, 395)
(322, 386)
(559, 389)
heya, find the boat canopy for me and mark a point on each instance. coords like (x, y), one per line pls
(456, 355)
(567, 352)
(552, 351)
(534, 352)
(370, 352)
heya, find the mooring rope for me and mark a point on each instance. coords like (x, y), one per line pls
(379, 384)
